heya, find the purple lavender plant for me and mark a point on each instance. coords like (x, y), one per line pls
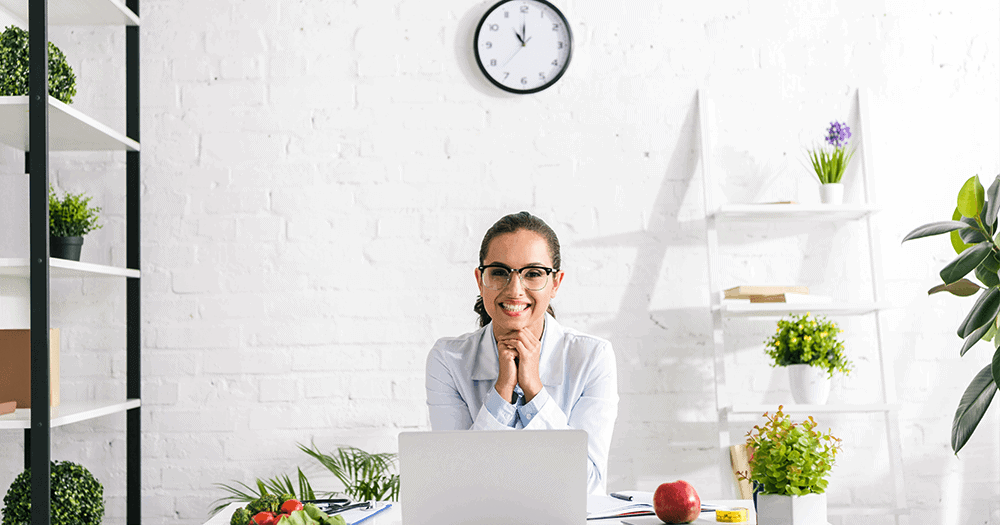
(830, 165)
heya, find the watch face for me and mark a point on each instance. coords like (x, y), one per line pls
(523, 46)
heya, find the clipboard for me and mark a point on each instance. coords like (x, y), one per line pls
(355, 516)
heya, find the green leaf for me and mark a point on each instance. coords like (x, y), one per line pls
(984, 311)
(995, 366)
(961, 288)
(965, 262)
(975, 401)
(971, 235)
(934, 228)
(988, 278)
(956, 237)
(992, 202)
(975, 337)
(971, 198)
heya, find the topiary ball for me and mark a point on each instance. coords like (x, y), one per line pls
(77, 497)
(14, 67)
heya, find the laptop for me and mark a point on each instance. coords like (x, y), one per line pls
(510, 477)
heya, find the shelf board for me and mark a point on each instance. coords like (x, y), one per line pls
(69, 129)
(78, 12)
(834, 408)
(68, 413)
(747, 309)
(837, 510)
(65, 268)
(794, 212)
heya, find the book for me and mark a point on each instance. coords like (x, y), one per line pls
(749, 291)
(795, 298)
(7, 407)
(607, 507)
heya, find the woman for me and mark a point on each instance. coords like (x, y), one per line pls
(522, 369)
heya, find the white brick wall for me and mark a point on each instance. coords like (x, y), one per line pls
(318, 177)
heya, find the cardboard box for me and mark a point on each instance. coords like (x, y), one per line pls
(15, 367)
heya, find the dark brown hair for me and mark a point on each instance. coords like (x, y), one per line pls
(510, 224)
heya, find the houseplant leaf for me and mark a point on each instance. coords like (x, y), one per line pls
(935, 228)
(956, 235)
(961, 288)
(992, 203)
(996, 367)
(965, 262)
(971, 197)
(984, 311)
(975, 337)
(975, 401)
(971, 235)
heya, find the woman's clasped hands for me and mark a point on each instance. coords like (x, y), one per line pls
(519, 351)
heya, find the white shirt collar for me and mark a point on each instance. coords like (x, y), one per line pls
(486, 364)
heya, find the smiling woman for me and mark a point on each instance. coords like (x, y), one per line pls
(522, 369)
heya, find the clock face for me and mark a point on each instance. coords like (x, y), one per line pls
(523, 46)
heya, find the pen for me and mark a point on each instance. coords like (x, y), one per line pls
(618, 495)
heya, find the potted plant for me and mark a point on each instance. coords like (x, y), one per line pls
(14, 67)
(77, 497)
(789, 465)
(70, 218)
(829, 165)
(972, 230)
(809, 347)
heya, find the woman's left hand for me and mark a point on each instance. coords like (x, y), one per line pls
(529, 349)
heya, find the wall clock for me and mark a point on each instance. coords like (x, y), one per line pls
(523, 46)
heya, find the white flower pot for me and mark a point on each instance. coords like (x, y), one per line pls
(832, 193)
(773, 509)
(810, 384)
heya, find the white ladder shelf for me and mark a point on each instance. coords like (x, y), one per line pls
(722, 213)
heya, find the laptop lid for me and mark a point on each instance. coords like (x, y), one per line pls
(493, 477)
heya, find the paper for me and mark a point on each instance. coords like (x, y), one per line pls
(354, 516)
(606, 507)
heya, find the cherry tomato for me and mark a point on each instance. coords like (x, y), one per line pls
(291, 506)
(264, 518)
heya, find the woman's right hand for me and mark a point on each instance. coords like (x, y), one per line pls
(507, 379)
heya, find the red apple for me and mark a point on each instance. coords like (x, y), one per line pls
(676, 502)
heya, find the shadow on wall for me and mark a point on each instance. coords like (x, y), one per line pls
(665, 374)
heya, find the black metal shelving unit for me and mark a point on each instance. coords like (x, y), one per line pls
(37, 429)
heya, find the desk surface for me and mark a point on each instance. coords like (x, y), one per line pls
(392, 515)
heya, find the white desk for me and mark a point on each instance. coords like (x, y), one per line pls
(392, 515)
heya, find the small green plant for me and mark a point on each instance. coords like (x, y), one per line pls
(365, 476)
(71, 216)
(805, 340)
(829, 165)
(14, 67)
(77, 498)
(790, 459)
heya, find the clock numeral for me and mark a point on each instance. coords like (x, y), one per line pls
(524, 81)
(494, 27)
(506, 14)
(524, 9)
(560, 44)
(555, 62)
(505, 75)
(493, 61)
(555, 27)
(488, 45)
(541, 76)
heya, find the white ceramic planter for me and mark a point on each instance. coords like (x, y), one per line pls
(832, 193)
(773, 509)
(810, 384)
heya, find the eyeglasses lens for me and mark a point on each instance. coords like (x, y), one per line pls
(497, 278)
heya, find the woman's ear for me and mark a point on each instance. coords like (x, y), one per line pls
(479, 280)
(556, 281)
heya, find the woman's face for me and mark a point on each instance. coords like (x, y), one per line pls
(515, 307)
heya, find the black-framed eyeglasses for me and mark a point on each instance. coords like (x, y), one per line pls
(497, 276)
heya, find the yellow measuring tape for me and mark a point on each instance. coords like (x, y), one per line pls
(733, 515)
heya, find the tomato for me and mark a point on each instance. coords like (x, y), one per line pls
(291, 505)
(264, 518)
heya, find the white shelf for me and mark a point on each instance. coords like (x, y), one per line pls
(746, 309)
(78, 12)
(65, 268)
(834, 510)
(794, 212)
(69, 129)
(837, 408)
(68, 413)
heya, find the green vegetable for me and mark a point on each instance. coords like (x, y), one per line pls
(240, 517)
(311, 513)
(72, 216)
(77, 498)
(14, 67)
(265, 503)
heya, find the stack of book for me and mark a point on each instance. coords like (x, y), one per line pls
(774, 294)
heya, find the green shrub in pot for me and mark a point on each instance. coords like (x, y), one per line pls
(77, 498)
(14, 67)
(71, 216)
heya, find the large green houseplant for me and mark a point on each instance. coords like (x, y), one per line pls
(974, 235)
(14, 67)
